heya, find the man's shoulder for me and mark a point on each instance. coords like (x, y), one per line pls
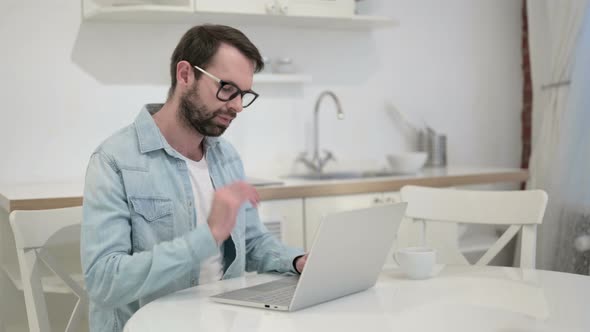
(223, 156)
(123, 143)
(224, 148)
(225, 145)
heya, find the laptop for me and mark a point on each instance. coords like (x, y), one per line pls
(346, 257)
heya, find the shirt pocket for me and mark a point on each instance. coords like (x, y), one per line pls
(152, 221)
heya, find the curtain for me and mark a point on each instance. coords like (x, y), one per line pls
(559, 154)
(572, 182)
(527, 92)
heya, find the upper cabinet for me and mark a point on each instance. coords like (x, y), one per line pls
(322, 8)
(334, 14)
(281, 78)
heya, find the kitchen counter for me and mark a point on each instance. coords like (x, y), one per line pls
(430, 177)
(58, 195)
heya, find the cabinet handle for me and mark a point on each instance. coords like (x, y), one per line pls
(377, 200)
(271, 7)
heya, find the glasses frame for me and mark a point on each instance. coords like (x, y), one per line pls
(223, 83)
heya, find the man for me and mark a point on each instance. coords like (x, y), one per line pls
(165, 202)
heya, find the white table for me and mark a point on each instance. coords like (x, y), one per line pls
(459, 298)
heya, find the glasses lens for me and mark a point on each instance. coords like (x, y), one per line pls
(227, 92)
(247, 99)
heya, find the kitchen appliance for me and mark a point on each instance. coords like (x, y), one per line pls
(435, 145)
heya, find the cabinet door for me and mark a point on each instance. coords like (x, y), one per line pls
(233, 6)
(286, 216)
(317, 207)
(437, 234)
(323, 8)
(390, 197)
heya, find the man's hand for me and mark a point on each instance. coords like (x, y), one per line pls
(226, 204)
(300, 263)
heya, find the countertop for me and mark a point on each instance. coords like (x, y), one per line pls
(34, 196)
(431, 177)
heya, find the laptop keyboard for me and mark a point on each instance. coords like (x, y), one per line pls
(278, 292)
(281, 296)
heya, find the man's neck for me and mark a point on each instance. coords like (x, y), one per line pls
(181, 137)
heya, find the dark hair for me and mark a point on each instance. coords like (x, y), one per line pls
(200, 43)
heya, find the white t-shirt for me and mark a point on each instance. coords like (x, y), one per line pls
(211, 268)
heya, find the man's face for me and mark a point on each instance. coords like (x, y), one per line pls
(194, 112)
(199, 106)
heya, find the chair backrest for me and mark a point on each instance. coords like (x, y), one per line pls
(521, 210)
(33, 231)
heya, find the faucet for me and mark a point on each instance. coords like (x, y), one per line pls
(317, 162)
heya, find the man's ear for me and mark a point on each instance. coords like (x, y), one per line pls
(184, 73)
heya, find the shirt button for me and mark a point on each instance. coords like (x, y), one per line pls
(190, 203)
(193, 282)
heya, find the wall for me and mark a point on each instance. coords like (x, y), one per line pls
(66, 85)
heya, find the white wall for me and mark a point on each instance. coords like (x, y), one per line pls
(66, 85)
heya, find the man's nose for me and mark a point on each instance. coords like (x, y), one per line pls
(236, 104)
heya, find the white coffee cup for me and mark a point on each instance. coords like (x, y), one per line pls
(416, 262)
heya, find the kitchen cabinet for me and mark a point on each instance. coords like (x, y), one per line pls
(389, 197)
(284, 218)
(324, 8)
(229, 12)
(236, 6)
(471, 243)
(126, 9)
(281, 78)
(316, 208)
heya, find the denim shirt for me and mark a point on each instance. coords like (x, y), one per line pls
(140, 238)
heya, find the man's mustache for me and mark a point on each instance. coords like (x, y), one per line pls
(230, 113)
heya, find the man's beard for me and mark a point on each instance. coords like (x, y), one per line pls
(194, 114)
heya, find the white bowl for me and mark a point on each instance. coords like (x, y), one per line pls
(407, 162)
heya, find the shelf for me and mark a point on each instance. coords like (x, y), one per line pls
(140, 13)
(185, 14)
(281, 78)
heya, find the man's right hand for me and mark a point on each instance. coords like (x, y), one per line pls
(226, 204)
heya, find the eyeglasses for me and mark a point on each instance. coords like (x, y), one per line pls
(228, 90)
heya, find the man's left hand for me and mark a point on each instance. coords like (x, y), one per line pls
(300, 263)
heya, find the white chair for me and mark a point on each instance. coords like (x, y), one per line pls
(434, 213)
(33, 232)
